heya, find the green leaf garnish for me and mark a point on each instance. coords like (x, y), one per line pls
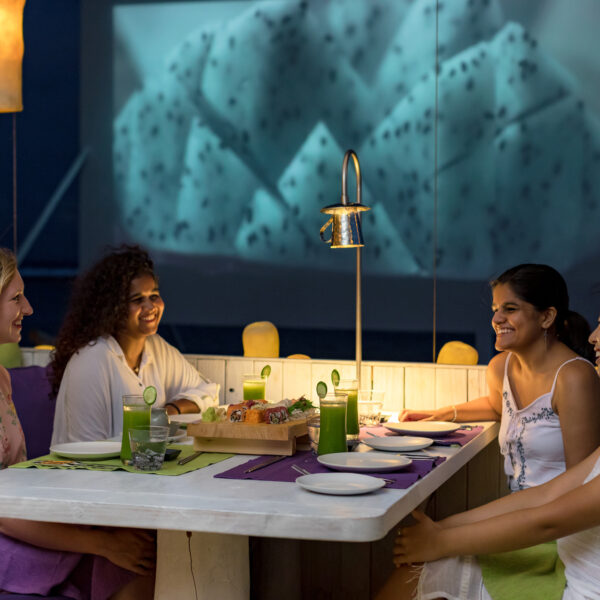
(266, 371)
(321, 389)
(335, 378)
(149, 395)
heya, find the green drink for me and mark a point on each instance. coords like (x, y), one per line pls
(350, 387)
(254, 387)
(332, 437)
(136, 413)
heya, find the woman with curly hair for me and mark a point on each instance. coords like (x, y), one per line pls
(56, 558)
(108, 347)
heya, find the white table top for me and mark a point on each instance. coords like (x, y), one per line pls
(198, 502)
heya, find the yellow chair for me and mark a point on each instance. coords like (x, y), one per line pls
(457, 353)
(261, 339)
(300, 356)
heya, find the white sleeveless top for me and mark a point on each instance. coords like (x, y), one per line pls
(530, 438)
(580, 554)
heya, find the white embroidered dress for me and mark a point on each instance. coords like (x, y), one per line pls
(531, 438)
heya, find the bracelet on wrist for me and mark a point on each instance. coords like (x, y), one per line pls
(455, 414)
(174, 406)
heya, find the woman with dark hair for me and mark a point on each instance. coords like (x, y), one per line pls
(55, 558)
(543, 391)
(108, 347)
(567, 509)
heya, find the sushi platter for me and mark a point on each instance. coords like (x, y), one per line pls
(251, 428)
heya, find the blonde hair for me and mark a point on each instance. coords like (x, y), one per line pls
(8, 267)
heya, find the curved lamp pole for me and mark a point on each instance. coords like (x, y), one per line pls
(346, 232)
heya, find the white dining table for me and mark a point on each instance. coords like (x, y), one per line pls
(204, 523)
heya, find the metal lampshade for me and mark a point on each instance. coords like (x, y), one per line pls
(346, 231)
(11, 55)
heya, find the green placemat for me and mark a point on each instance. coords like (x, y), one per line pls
(114, 464)
(532, 573)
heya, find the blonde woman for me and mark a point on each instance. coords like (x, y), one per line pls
(53, 558)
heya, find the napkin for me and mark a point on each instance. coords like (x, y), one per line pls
(114, 464)
(282, 470)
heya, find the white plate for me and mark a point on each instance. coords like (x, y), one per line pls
(401, 443)
(78, 450)
(186, 418)
(340, 484)
(426, 428)
(364, 462)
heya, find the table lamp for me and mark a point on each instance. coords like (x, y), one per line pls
(11, 57)
(346, 232)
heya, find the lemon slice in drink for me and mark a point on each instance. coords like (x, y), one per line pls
(321, 389)
(266, 371)
(335, 378)
(149, 395)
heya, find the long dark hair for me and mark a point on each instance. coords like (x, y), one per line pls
(543, 287)
(99, 303)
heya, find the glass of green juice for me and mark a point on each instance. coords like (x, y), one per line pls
(350, 387)
(332, 434)
(136, 413)
(254, 387)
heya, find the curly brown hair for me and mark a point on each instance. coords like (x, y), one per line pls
(99, 304)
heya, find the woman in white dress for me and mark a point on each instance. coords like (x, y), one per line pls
(108, 347)
(566, 508)
(540, 386)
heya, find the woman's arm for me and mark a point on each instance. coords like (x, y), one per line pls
(132, 549)
(547, 512)
(486, 408)
(183, 385)
(577, 402)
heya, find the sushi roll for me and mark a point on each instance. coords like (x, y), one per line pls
(236, 413)
(256, 414)
(276, 414)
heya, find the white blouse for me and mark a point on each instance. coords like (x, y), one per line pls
(89, 403)
(580, 554)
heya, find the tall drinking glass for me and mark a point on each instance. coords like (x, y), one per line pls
(350, 387)
(136, 413)
(254, 387)
(332, 436)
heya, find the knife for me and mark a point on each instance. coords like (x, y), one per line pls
(191, 457)
(266, 463)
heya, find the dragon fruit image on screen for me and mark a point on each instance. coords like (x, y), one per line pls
(234, 142)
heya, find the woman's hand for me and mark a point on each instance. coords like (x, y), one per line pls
(418, 543)
(132, 549)
(416, 415)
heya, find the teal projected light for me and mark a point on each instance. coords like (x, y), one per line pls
(231, 113)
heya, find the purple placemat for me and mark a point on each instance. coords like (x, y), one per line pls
(282, 470)
(460, 436)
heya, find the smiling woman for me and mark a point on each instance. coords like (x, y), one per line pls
(541, 388)
(108, 347)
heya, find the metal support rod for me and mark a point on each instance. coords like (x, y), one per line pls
(358, 317)
(358, 325)
(52, 204)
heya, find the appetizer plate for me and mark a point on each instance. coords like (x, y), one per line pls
(77, 450)
(364, 462)
(340, 484)
(424, 428)
(401, 443)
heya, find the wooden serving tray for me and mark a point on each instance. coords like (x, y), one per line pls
(246, 438)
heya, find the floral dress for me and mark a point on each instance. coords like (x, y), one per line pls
(12, 439)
